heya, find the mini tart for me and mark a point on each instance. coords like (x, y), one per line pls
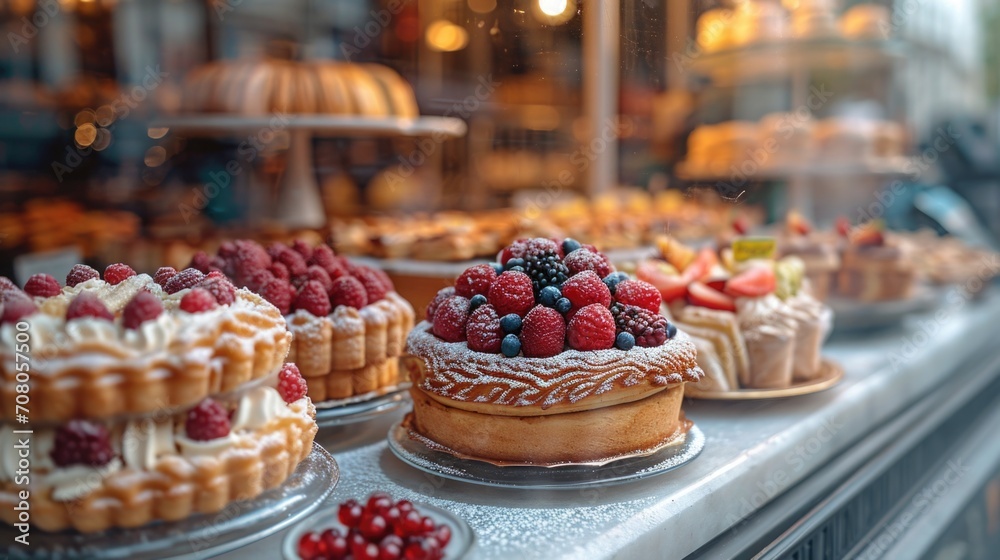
(577, 406)
(92, 368)
(172, 482)
(877, 272)
(351, 352)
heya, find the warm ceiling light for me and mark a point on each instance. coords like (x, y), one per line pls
(85, 135)
(445, 36)
(554, 12)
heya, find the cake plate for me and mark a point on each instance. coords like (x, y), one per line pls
(416, 452)
(300, 203)
(462, 536)
(200, 536)
(855, 315)
(831, 374)
(360, 408)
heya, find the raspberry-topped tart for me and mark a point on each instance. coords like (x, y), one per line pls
(152, 399)
(548, 356)
(347, 321)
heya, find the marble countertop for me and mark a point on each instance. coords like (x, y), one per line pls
(753, 451)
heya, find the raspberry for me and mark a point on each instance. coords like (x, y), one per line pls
(583, 259)
(443, 294)
(640, 294)
(117, 273)
(6, 285)
(317, 274)
(80, 273)
(198, 300)
(648, 328)
(512, 292)
(584, 289)
(280, 293)
(80, 442)
(324, 258)
(143, 307)
(248, 257)
(545, 268)
(187, 278)
(450, 319)
(220, 287)
(288, 257)
(301, 247)
(16, 306)
(201, 261)
(348, 290)
(87, 304)
(513, 251)
(542, 333)
(475, 280)
(164, 274)
(291, 385)
(279, 270)
(592, 328)
(373, 282)
(207, 421)
(42, 285)
(257, 279)
(483, 330)
(313, 298)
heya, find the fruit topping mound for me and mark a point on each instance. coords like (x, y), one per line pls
(378, 529)
(545, 296)
(296, 277)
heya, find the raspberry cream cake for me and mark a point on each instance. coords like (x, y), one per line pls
(151, 399)
(348, 324)
(548, 356)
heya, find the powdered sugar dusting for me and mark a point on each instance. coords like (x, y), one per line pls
(456, 372)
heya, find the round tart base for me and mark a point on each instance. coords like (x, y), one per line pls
(570, 437)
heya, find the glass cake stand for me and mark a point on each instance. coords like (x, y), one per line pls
(201, 536)
(419, 455)
(360, 408)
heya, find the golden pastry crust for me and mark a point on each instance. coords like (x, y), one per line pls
(581, 436)
(99, 378)
(351, 352)
(179, 487)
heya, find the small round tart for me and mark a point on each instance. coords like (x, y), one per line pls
(153, 470)
(547, 357)
(94, 366)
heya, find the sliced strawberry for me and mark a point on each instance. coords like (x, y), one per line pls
(700, 294)
(740, 225)
(664, 278)
(717, 283)
(843, 226)
(755, 282)
(702, 265)
(798, 224)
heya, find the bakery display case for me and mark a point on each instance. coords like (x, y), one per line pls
(489, 279)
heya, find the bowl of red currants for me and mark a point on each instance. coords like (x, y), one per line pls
(379, 529)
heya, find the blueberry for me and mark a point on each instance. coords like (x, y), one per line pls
(564, 305)
(511, 345)
(570, 245)
(516, 269)
(624, 341)
(510, 323)
(476, 301)
(515, 262)
(671, 330)
(611, 281)
(497, 267)
(549, 296)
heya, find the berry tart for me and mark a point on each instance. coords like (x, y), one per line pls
(548, 356)
(151, 399)
(348, 324)
(875, 266)
(754, 322)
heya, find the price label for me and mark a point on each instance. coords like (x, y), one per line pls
(754, 248)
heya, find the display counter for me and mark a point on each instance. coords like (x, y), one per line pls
(756, 453)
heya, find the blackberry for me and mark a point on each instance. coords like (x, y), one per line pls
(648, 328)
(545, 269)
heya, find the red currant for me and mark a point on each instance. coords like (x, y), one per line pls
(366, 551)
(443, 535)
(335, 544)
(392, 516)
(390, 551)
(410, 525)
(373, 527)
(350, 513)
(427, 526)
(433, 548)
(415, 551)
(309, 546)
(378, 502)
(355, 538)
(404, 506)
